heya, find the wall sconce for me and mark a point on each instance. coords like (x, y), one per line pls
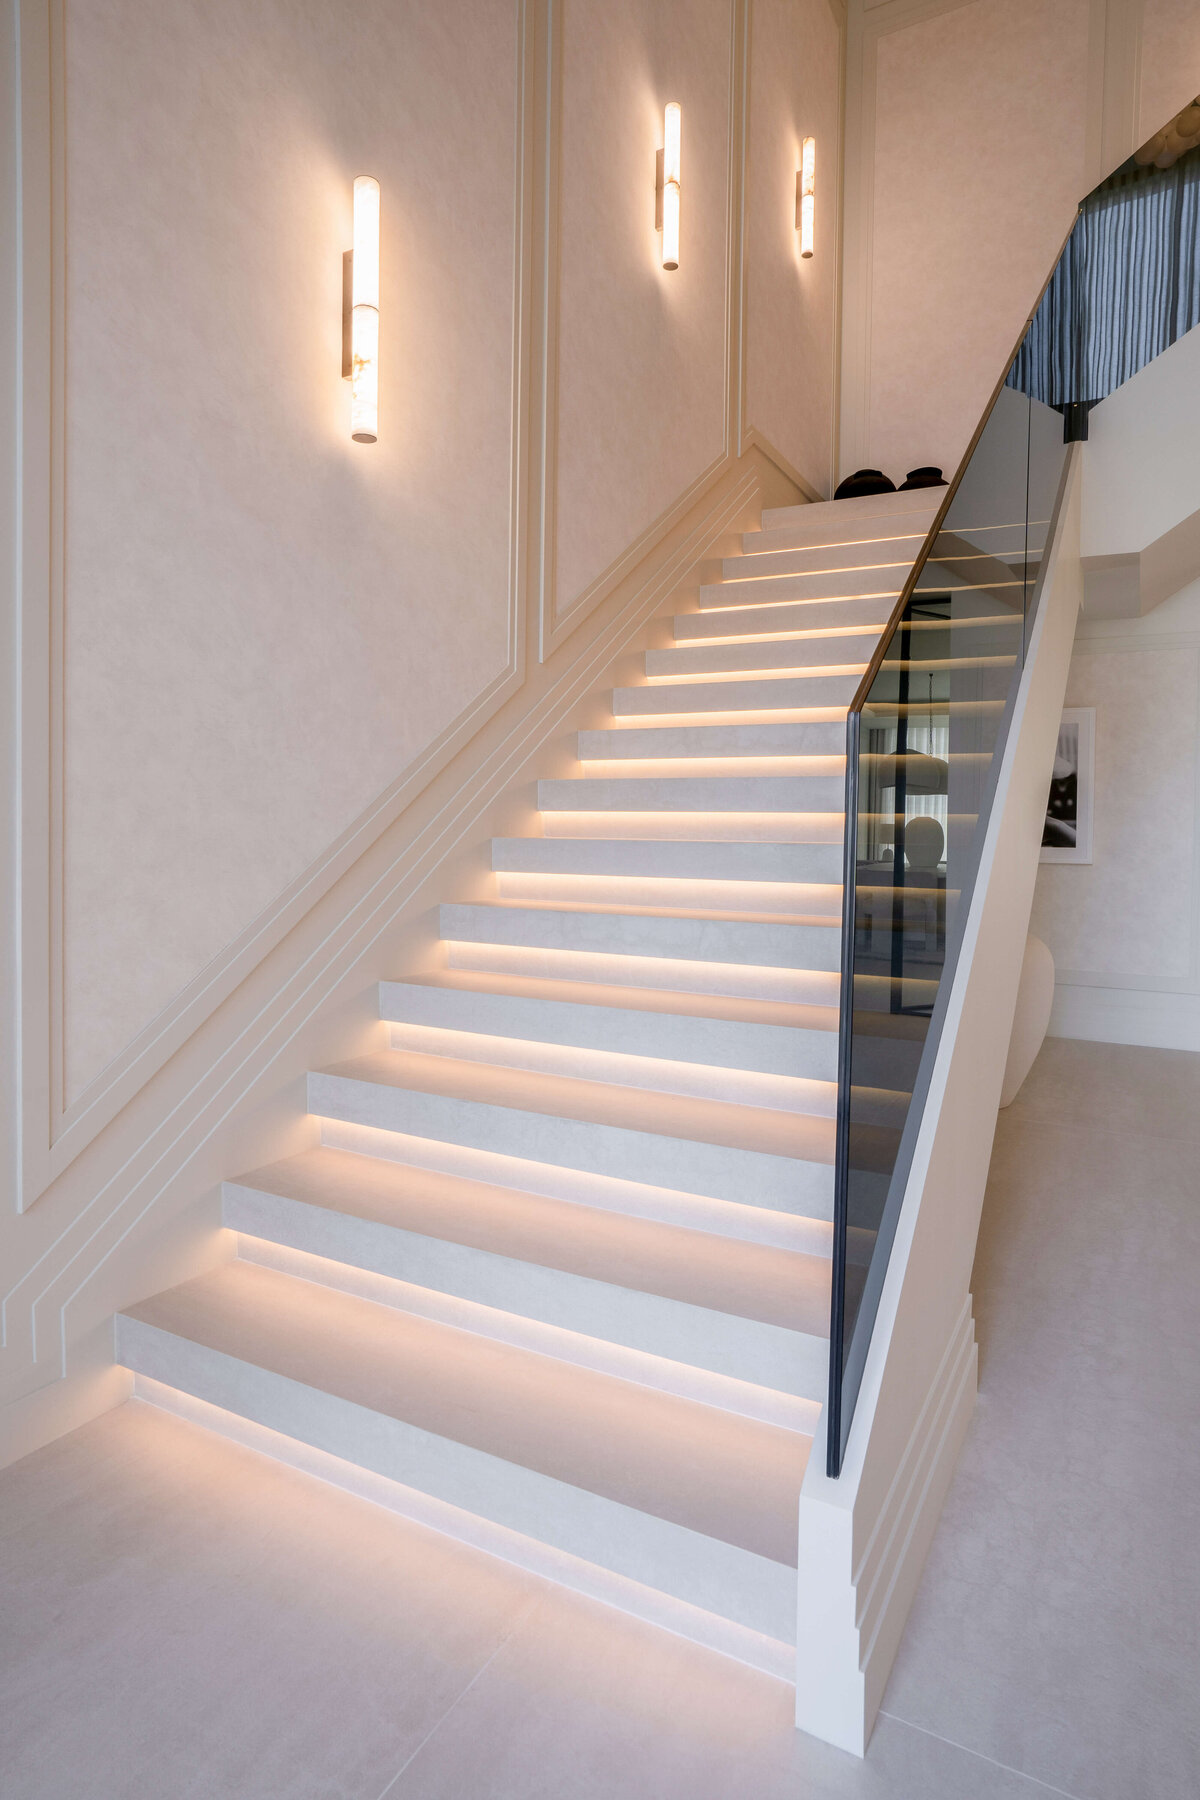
(806, 187)
(360, 313)
(666, 210)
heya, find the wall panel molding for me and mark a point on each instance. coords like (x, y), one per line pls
(52, 1132)
(865, 25)
(170, 1141)
(1113, 131)
(559, 617)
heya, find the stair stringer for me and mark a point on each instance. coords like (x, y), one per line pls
(864, 1536)
(139, 1207)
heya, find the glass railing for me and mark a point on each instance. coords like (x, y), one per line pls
(927, 727)
(924, 734)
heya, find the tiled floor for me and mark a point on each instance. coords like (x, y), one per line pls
(183, 1618)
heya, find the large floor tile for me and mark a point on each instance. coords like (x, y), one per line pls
(186, 1618)
(1057, 1623)
(584, 1705)
(1113, 1088)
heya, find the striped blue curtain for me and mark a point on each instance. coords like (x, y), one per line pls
(1126, 286)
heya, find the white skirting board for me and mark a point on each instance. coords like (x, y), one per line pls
(864, 1596)
(1119, 1015)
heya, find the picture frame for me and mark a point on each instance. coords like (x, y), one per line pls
(1067, 831)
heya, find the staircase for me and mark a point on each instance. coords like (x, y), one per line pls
(557, 1278)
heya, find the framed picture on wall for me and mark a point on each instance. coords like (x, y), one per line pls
(1067, 832)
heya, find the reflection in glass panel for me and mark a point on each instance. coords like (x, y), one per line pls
(922, 741)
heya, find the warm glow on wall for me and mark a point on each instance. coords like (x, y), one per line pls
(363, 356)
(668, 184)
(806, 187)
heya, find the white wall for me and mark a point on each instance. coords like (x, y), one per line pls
(249, 595)
(272, 687)
(973, 130)
(795, 82)
(1125, 931)
(1141, 474)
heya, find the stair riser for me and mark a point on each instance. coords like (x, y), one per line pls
(832, 651)
(854, 518)
(719, 1045)
(711, 1171)
(711, 793)
(735, 1584)
(767, 617)
(801, 1093)
(900, 550)
(771, 946)
(780, 829)
(795, 987)
(804, 864)
(690, 1351)
(882, 583)
(665, 741)
(629, 1199)
(795, 693)
(721, 899)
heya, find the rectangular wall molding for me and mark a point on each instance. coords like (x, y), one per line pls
(101, 1180)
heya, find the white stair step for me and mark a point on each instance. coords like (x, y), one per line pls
(719, 899)
(502, 1032)
(792, 693)
(901, 549)
(669, 937)
(705, 742)
(767, 617)
(731, 1153)
(571, 1281)
(859, 513)
(800, 864)
(794, 1041)
(698, 793)
(835, 649)
(882, 585)
(687, 1499)
(656, 974)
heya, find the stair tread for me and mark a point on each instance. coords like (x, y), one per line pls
(785, 1288)
(722, 1475)
(733, 1009)
(717, 1122)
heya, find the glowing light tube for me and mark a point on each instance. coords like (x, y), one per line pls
(672, 135)
(806, 187)
(364, 318)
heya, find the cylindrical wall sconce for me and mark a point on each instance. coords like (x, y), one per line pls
(667, 193)
(360, 313)
(806, 188)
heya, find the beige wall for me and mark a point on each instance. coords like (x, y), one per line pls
(266, 624)
(1125, 931)
(641, 378)
(794, 86)
(972, 132)
(264, 621)
(1170, 61)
